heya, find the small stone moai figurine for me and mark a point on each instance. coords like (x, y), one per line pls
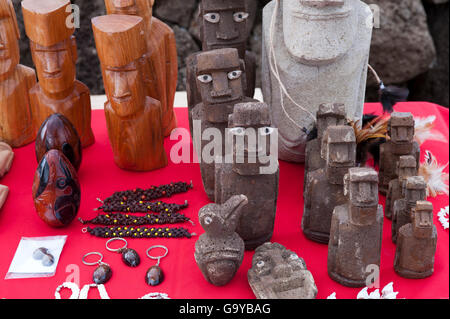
(54, 51)
(253, 171)
(161, 78)
(319, 51)
(223, 25)
(6, 158)
(401, 131)
(220, 251)
(16, 122)
(406, 167)
(4, 191)
(328, 115)
(134, 120)
(416, 244)
(278, 273)
(356, 230)
(325, 187)
(220, 82)
(414, 189)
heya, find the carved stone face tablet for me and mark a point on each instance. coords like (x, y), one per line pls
(9, 34)
(339, 146)
(415, 189)
(278, 273)
(406, 167)
(422, 219)
(401, 128)
(362, 187)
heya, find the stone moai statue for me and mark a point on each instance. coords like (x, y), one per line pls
(220, 82)
(16, 122)
(416, 244)
(253, 171)
(134, 120)
(161, 78)
(406, 167)
(414, 189)
(220, 251)
(401, 131)
(327, 115)
(356, 230)
(319, 51)
(325, 187)
(54, 52)
(278, 273)
(224, 24)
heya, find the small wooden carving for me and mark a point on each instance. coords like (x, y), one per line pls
(324, 187)
(4, 191)
(406, 168)
(414, 189)
(57, 133)
(356, 230)
(416, 244)
(401, 132)
(56, 190)
(6, 158)
(223, 25)
(54, 51)
(134, 120)
(16, 123)
(161, 78)
(220, 251)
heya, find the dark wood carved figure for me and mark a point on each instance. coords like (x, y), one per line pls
(161, 78)
(356, 230)
(54, 51)
(57, 133)
(6, 158)
(415, 189)
(253, 171)
(219, 252)
(16, 122)
(134, 120)
(56, 190)
(220, 82)
(325, 187)
(416, 244)
(278, 273)
(223, 25)
(406, 167)
(401, 131)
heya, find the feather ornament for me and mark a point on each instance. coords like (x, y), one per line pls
(424, 130)
(434, 175)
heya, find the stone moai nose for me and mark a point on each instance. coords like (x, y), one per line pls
(227, 30)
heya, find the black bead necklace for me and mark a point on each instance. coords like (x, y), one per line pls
(141, 207)
(119, 219)
(138, 232)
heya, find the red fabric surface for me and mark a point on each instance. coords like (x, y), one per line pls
(100, 177)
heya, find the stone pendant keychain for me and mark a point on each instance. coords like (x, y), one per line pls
(129, 256)
(102, 273)
(155, 275)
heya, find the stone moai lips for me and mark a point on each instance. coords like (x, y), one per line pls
(6, 158)
(401, 127)
(278, 273)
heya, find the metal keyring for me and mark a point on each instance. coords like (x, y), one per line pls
(114, 239)
(159, 257)
(90, 254)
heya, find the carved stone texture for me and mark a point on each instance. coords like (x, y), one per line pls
(356, 230)
(416, 244)
(4, 191)
(320, 49)
(401, 131)
(6, 158)
(220, 82)
(57, 133)
(219, 252)
(324, 187)
(327, 115)
(406, 167)
(254, 172)
(134, 120)
(54, 52)
(278, 273)
(56, 190)
(414, 189)
(161, 78)
(16, 123)
(224, 25)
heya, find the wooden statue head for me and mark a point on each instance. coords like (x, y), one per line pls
(52, 44)
(9, 34)
(224, 25)
(121, 48)
(142, 8)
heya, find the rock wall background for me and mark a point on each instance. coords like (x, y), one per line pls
(409, 49)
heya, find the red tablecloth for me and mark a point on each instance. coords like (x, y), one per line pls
(100, 177)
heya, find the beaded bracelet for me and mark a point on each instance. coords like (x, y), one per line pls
(138, 232)
(126, 220)
(141, 207)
